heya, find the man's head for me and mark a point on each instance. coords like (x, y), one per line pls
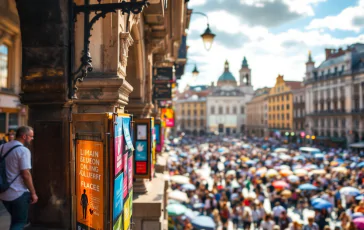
(25, 135)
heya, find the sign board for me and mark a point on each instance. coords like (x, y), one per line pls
(89, 185)
(143, 138)
(163, 74)
(158, 129)
(164, 104)
(168, 116)
(162, 91)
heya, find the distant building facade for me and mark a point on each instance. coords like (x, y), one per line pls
(190, 113)
(257, 114)
(334, 97)
(280, 106)
(299, 114)
(226, 104)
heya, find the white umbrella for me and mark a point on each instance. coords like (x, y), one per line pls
(281, 150)
(231, 172)
(180, 179)
(178, 195)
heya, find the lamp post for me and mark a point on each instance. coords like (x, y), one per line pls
(207, 36)
(100, 10)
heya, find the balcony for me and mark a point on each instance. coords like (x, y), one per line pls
(330, 112)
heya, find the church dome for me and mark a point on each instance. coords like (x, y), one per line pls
(226, 78)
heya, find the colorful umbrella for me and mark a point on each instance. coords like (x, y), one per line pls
(176, 209)
(322, 204)
(286, 193)
(318, 171)
(188, 187)
(359, 222)
(178, 195)
(180, 179)
(279, 184)
(285, 172)
(271, 173)
(293, 179)
(357, 215)
(300, 172)
(307, 187)
(203, 222)
(360, 165)
(189, 214)
(340, 170)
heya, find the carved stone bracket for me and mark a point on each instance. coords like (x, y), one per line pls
(125, 42)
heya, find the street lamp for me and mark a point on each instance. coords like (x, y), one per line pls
(100, 10)
(207, 36)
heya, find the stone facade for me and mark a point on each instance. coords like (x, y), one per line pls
(334, 97)
(257, 114)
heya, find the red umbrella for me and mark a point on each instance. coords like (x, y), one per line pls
(279, 184)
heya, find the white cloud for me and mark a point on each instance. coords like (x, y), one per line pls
(196, 3)
(345, 20)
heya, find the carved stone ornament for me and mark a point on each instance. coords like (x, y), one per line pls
(125, 42)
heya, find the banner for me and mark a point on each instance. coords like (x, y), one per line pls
(126, 125)
(118, 145)
(89, 185)
(168, 116)
(118, 197)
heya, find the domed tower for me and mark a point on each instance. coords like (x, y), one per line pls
(226, 78)
(245, 74)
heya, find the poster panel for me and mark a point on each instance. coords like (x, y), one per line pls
(118, 145)
(131, 203)
(130, 174)
(157, 129)
(141, 167)
(141, 149)
(127, 213)
(119, 224)
(89, 185)
(126, 129)
(168, 116)
(125, 182)
(118, 196)
(142, 132)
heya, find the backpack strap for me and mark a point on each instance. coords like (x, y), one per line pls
(5, 155)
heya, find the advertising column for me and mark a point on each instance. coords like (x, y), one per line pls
(89, 185)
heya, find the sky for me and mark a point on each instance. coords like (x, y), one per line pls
(274, 35)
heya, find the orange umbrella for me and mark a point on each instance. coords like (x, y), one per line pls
(279, 184)
(285, 172)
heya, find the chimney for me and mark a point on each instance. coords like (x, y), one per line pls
(328, 53)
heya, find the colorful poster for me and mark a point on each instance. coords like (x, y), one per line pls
(126, 125)
(126, 214)
(130, 173)
(118, 196)
(125, 182)
(118, 145)
(168, 116)
(157, 128)
(131, 203)
(89, 185)
(119, 224)
(140, 167)
(141, 150)
(141, 132)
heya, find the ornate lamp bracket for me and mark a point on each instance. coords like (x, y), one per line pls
(100, 10)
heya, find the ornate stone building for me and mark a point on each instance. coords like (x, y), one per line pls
(226, 104)
(12, 112)
(334, 96)
(257, 114)
(124, 49)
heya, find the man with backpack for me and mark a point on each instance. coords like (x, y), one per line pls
(16, 183)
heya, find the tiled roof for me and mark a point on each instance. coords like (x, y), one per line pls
(294, 84)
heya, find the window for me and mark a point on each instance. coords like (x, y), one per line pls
(201, 112)
(287, 106)
(212, 110)
(4, 71)
(227, 110)
(282, 107)
(234, 110)
(195, 112)
(282, 98)
(287, 116)
(188, 112)
(287, 97)
(301, 98)
(220, 110)
(242, 110)
(282, 116)
(288, 126)
(2, 122)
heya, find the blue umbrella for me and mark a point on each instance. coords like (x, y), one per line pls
(307, 187)
(317, 200)
(350, 191)
(191, 214)
(203, 222)
(184, 154)
(319, 156)
(188, 187)
(360, 165)
(198, 205)
(322, 204)
(250, 162)
(360, 197)
(220, 150)
(298, 158)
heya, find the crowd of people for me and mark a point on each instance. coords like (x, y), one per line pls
(233, 184)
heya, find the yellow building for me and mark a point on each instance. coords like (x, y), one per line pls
(257, 113)
(280, 106)
(191, 110)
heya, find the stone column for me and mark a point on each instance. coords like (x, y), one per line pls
(361, 96)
